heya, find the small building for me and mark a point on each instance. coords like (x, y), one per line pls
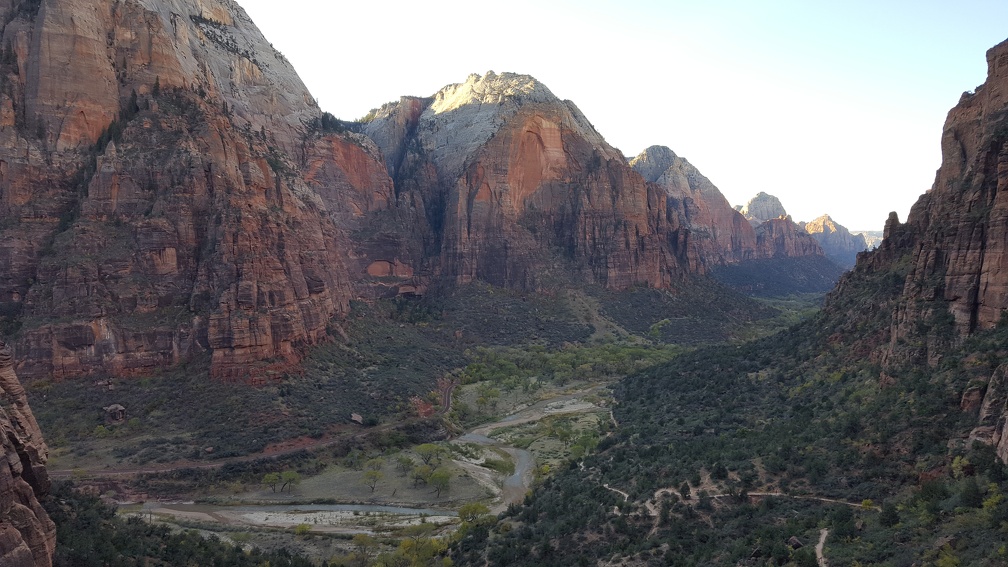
(115, 413)
(357, 418)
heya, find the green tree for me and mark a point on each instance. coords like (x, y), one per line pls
(405, 464)
(421, 474)
(440, 479)
(289, 479)
(473, 512)
(375, 464)
(684, 490)
(430, 452)
(889, 516)
(372, 478)
(969, 494)
(271, 480)
(364, 546)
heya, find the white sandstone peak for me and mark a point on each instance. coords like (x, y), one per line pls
(491, 88)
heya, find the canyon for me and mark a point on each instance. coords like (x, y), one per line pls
(176, 193)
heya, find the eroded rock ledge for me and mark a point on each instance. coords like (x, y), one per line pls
(27, 535)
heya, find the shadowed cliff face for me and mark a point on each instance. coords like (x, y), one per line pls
(27, 535)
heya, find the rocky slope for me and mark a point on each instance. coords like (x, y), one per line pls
(719, 232)
(27, 535)
(777, 235)
(175, 192)
(169, 193)
(953, 249)
(872, 237)
(836, 241)
(518, 189)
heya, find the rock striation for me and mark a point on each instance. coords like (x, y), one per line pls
(169, 190)
(170, 193)
(781, 237)
(957, 233)
(836, 241)
(953, 249)
(509, 177)
(27, 535)
(720, 234)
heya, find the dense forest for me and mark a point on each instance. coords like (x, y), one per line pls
(741, 455)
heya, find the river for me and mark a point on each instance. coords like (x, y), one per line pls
(358, 518)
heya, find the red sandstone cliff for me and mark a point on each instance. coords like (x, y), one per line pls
(719, 233)
(836, 241)
(211, 222)
(27, 535)
(518, 189)
(168, 187)
(955, 242)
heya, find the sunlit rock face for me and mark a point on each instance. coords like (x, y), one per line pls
(954, 248)
(761, 208)
(169, 191)
(210, 224)
(958, 230)
(836, 241)
(720, 234)
(510, 177)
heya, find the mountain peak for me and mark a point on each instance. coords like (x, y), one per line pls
(762, 208)
(653, 162)
(823, 224)
(491, 88)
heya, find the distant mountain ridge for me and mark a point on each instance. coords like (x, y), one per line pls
(839, 244)
(192, 198)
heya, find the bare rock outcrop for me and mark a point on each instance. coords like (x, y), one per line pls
(27, 535)
(953, 250)
(720, 234)
(836, 241)
(167, 190)
(957, 233)
(782, 238)
(507, 175)
(761, 208)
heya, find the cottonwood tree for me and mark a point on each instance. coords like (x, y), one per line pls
(430, 452)
(440, 480)
(271, 480)
(473, 512)
(405, 464)
(421, 474)
(365, 546)
(289, 479)
(372, 478)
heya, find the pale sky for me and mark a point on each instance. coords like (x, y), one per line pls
(834, 107)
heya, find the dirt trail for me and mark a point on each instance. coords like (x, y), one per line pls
(819, 548)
